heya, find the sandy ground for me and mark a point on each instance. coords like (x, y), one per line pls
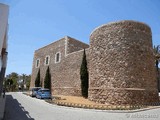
(74, 99)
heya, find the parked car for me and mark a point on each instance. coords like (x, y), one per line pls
(34, 91)
(43, 94)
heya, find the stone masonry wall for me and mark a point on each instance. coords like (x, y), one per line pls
(49, 50)
(75, 45)
(65, 75)
(121, 64)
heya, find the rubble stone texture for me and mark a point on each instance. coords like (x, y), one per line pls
(65, 75)
(121, 64)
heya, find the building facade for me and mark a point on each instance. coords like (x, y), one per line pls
(3, 41)
(4, 9)
(122, 64)
(120, 60)
(64, 60)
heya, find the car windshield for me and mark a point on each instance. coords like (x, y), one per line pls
(45, 91)
(35, 89)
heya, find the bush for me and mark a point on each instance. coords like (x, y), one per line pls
(37, 81)
(47, 80)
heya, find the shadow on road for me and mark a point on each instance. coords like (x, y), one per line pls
(14, 110)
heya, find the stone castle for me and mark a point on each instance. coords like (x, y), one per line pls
(120, 64)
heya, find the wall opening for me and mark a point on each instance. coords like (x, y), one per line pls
(57, 57)
(47, 60)
(37, 63)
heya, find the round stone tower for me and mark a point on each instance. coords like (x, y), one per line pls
(121, 64)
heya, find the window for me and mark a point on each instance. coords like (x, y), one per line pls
(58, 57)
(47, 59)
(37, 63)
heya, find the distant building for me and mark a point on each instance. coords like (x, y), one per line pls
(120, 60)
(4, 9)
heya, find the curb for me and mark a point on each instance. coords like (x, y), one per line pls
(105, 108)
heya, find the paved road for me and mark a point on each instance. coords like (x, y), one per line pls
(22, 107)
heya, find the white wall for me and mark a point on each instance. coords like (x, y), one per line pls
(3, 23)
(4, 10)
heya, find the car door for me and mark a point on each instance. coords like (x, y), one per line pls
(39, 92)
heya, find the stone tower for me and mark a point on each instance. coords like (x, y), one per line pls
(121, 64)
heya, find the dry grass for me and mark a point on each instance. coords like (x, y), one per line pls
(75, 99)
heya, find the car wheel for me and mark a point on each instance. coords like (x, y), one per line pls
(40, 97)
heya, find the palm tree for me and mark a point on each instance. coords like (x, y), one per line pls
(157, 60)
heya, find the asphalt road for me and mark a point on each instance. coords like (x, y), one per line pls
(22, 107)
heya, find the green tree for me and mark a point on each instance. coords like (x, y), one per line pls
(84, 76)
(47, 80)
(13, 75)
(157, 55)
(14, 78)
(157, 59)
(28, 80)
(23, 78)
(37, 81)
(9, 84)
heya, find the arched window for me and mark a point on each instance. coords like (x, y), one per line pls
(37, 63)
(47, 60)
(58, 57)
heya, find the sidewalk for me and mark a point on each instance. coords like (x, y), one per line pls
(2, 106)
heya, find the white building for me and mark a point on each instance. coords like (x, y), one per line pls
(4, 10)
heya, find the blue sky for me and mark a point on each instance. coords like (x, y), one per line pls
(35, 23)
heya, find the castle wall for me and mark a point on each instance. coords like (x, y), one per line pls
(121, 66)
(65, 75)
(49, 50)
(75, 45)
